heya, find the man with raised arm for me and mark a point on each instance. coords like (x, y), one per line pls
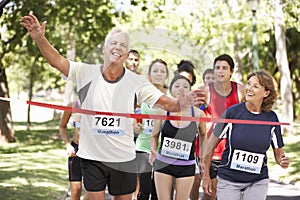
(106, 144)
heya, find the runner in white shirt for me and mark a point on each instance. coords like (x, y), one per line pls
(106, 142)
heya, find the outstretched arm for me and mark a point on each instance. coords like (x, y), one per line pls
(37, 33)
(195, 97)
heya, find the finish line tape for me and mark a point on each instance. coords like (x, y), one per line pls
(145, 116)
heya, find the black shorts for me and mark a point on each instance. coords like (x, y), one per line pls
(214, 166)
(74, 166)
(177, 171)
(120, 178)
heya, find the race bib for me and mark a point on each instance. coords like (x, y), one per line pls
(247, 161)
(108, 125)
(76, 120)
(148, 126)
(176, 148)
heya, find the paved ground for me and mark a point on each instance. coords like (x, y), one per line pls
(277, 191)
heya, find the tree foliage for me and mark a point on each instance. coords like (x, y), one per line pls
(208, 28)
(87, 22)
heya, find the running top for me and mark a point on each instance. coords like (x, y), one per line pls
(244, 159)
(143, 139)
(109, 138)
(216, 107)
(177, 143)
(76, 116)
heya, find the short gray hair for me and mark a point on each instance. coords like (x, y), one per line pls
(117, 31)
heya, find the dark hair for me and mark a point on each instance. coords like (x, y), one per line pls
(186, 66)
(269, 83)
(178, 77)
(226, 58)
(207, 71)
(158, 60)
(134, 51)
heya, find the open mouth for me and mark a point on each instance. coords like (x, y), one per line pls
(249, 94)
(116, 54)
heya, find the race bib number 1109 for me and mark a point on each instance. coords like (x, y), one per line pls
(247, 161)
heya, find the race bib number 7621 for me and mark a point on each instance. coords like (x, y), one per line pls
(108, 125)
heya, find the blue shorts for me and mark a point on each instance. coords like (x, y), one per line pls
(74, 166)
(120, 178)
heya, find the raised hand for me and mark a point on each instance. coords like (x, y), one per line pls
(33, 26)
(195, 97)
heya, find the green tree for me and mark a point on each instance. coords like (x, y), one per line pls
(225, 27)
(89, 19)
(283, 65)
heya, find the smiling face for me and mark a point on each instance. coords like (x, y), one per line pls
(179, 85)
(255, 92)
(158, 74)
(116, 44)
(222, 71)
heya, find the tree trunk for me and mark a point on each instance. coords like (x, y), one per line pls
(282, 62)
(6, 126)
(31, 82)
(238, 74)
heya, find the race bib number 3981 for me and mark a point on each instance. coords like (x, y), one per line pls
(108, 125)
(176, 148)
(247, 161)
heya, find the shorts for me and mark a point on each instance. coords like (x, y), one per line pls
(236, 191)
(177, 171)
(214, 166)
(74, 166)
(120, 178)
(143, 165)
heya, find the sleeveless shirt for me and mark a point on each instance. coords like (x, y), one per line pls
(216, 107)
(184, 134)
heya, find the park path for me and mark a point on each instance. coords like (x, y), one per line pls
(277, 191)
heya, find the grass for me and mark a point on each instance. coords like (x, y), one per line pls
(292, 150)
(35, 167)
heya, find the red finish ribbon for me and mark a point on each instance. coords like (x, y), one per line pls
(147, 116)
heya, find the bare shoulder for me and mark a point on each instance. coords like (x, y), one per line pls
(199, 112)
(241, 91)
